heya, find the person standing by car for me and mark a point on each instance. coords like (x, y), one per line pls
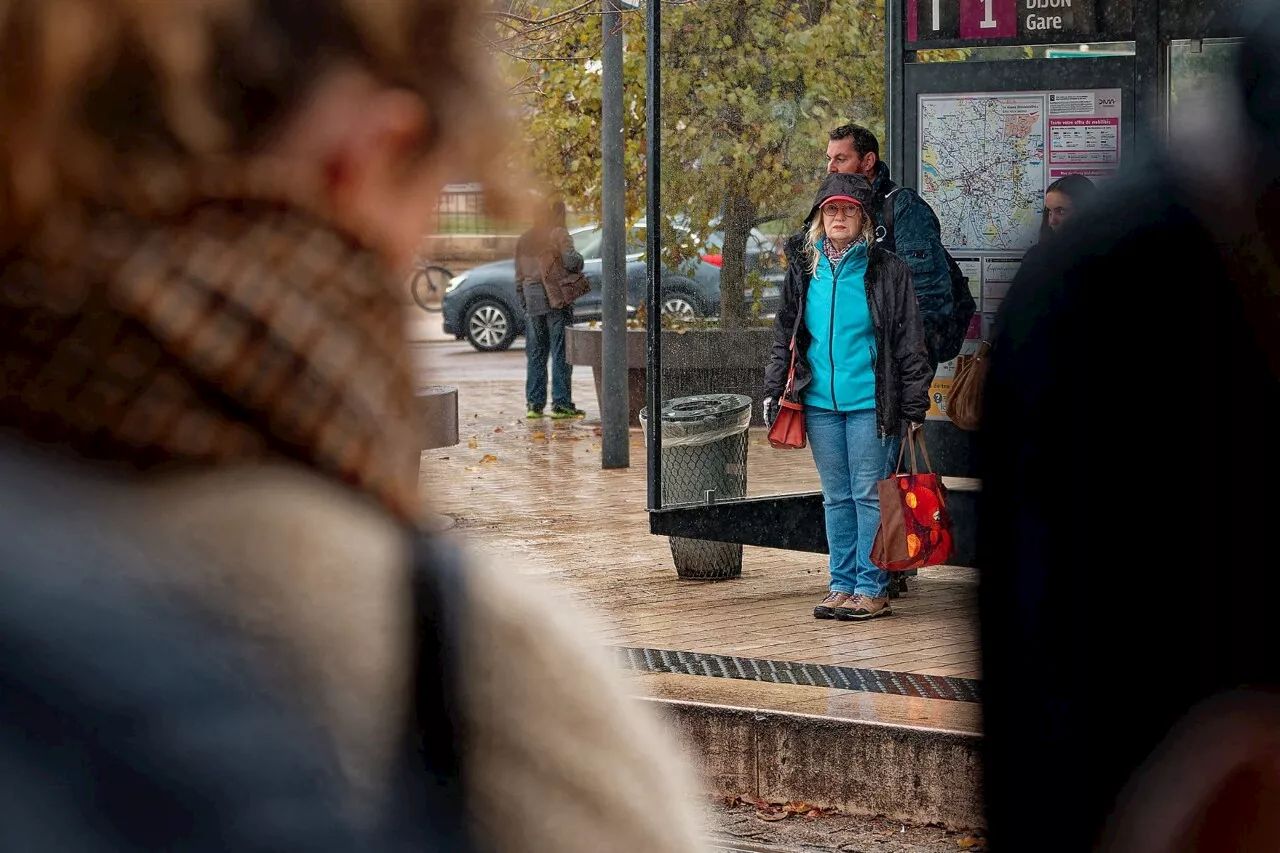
(545, 325)
(862, 373)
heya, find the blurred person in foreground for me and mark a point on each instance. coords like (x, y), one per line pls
(1127, 507)
(203, 208)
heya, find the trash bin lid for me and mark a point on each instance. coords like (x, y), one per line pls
(702, 419)
(704, 406)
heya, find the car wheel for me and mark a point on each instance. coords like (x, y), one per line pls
(679, 307)
(489, 325)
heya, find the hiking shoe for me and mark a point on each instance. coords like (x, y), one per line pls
(826, 608)
(534, 414)
(861, 607)
(560, 413)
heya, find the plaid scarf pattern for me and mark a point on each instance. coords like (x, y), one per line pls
(230, 332)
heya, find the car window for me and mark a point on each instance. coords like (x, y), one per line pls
(588, 244)
(715, 242)
(635, 240)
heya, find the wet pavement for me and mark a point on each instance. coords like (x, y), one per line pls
(533, 492)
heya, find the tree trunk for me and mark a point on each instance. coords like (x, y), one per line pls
(739, 217)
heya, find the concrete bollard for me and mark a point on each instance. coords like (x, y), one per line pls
(438, 415)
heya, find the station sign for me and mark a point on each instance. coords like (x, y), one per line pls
(960, 23)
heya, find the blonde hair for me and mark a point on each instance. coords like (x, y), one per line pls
(817, 231)
(98, 94)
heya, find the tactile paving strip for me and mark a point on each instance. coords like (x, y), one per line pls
(806, 674)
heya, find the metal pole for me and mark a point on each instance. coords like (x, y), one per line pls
(894, 70)
(653, 247)
(616, 445)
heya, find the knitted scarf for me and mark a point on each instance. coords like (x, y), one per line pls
(229, 331)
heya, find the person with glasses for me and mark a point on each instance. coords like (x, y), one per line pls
(862, 373)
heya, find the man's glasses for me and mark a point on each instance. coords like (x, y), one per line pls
(849, 210)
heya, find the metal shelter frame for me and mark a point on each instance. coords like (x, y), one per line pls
(795, 521)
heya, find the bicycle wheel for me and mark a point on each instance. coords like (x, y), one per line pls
(428, 287)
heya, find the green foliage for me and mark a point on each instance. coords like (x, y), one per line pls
(749, 91)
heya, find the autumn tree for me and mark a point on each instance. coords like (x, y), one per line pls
(749, 90)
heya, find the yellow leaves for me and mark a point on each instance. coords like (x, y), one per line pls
(488, 459)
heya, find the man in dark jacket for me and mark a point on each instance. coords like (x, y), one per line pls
(544, 324)
(917, 236)
(1127, 512)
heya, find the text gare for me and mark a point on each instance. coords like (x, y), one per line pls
(1040, 14)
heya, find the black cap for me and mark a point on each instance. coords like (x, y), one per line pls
(836, 184)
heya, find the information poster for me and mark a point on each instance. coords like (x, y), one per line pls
(1084, 134)
(986, 161)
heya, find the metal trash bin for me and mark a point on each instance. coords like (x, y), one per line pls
(704, 450)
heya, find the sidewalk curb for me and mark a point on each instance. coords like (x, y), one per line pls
(917, 775)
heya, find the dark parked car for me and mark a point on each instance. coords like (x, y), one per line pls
(481, 304)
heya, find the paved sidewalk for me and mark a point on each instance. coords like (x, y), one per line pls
(534, 492)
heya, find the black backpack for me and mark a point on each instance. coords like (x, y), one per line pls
(946, 334)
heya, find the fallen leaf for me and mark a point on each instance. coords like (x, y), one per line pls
(755, 801)
(472, 444)
(813, 813)
(796, 807)
(497, 429)
(771, 814)
(487, 458)
(971, 842)
(539, 436)
(598, 431)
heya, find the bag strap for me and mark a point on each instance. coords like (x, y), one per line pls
(791, 372)
(433, 798)
(914, 439)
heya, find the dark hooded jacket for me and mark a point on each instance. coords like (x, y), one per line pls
(901, 354)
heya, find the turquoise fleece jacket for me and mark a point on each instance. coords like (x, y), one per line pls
(842, 354)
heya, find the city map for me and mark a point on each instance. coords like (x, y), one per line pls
(982, 168)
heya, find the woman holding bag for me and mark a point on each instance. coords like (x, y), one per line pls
(849, 346)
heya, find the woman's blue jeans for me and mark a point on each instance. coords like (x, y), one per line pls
(851, 458)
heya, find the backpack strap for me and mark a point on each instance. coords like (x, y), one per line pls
(884, 232)
(432, 808)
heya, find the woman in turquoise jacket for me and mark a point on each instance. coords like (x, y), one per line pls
(862, 373)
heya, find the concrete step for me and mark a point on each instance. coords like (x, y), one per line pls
(909, 759)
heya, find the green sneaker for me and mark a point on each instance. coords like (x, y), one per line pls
(534, 414)
(561, 413)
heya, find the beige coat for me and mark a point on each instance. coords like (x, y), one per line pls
(317, 579)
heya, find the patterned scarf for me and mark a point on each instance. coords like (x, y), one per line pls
(834, 255)
(235, 330)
